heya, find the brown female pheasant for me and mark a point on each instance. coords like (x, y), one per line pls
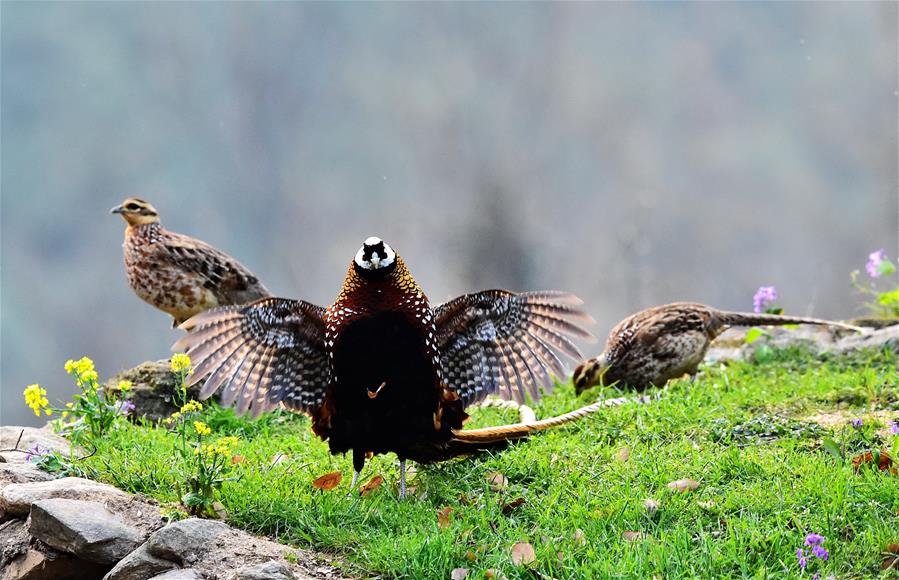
(658, 344)
(380, 370)
(178, 274)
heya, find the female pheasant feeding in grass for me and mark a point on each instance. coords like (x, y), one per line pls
(658, 344)
(380, 370)
(178, 274)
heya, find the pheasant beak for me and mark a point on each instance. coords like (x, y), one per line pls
(117, 209)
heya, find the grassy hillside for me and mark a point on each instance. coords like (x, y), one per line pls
(754, 436)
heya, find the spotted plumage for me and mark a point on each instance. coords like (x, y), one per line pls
(178, 274)
(655, 345)
(379, 370)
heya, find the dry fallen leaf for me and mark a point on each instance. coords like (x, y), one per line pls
(219, 510)
(471, 556)
(459, 574)
(523, 554)
(327, 481)
(373, 484)
(651, 505)
(497, 481)
(508, 507)
(579, 538)
(494, 574)
(632, 536)
(443, 517)
(623, 454)
(279, 458)
(683, 485)
(890, 558)
(235, 459)
(884, 462)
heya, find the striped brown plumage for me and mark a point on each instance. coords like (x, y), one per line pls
(177, 274)
(658, 344)
(380, 370)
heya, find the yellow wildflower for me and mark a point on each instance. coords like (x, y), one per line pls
(181, 363)
(69, 405)
(191, 406)
(65, 414)
(36, 398)
(83, 370)
(125, 386)
(202, 428)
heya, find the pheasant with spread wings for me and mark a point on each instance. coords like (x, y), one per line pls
(379, 370)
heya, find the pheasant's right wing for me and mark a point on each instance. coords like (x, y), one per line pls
(267, 352)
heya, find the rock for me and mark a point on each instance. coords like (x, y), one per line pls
(153, 389)
(16, 441)
(271, 570)
(14, 541)
(16, 498)
(139, 565)
(21, 473)
(887, 336)
(37, 565)
(83, 528)
(185, 541)
(180, 574)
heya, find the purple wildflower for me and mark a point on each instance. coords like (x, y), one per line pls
(817, 576)
(874, 260)
(857, 423)
(763, 296)
(37, 450)
(802, 561)
(894, 427)
(125, 408)
(814, 540)
(819, 552)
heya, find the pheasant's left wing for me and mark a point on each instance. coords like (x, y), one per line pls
(510, 344)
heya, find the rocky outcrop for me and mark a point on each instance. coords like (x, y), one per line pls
(78, 529)
(153, 389)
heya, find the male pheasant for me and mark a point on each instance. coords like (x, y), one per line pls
(380, 370)
(658, 344)
(178, 274)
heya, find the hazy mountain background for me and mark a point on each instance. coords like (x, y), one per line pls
(634, 153)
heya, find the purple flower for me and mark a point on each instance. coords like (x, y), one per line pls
(857, 423)
(817, 576)
(37, 450)
(803, 562)
(763, 296)
(814, 540)
(874, 260)
(819, 552)
(894, 427)
(125, 407)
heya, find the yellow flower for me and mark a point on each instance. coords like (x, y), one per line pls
(69, 405)
(191, 406)
(181, 363)
(36, 398)
(125, 386)
(202, 428)
(65, 414)
(83, 370)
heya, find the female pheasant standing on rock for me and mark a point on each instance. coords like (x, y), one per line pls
(658, 344)
(178, 274)
(380, 370)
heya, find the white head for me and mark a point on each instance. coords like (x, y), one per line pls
(375, 254)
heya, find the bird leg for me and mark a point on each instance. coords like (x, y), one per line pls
(373, 394)
(353, 483)
(402, 479)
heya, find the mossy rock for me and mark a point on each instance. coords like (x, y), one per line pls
(154, 389)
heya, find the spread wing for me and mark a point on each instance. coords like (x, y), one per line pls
(230, 280)
(264, 353)
(506, 343)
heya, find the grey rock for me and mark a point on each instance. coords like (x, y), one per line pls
(887, 336)
(139, 565)
(180, 574)
(153, 389)
(186, 541)
(21, 473)
(83, 528)
(271, 570)
(16, 498)
(16, 441)
(14, 541)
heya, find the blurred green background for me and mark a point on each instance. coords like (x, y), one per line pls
(633, 153)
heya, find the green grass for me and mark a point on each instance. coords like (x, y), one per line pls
(765, 482)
